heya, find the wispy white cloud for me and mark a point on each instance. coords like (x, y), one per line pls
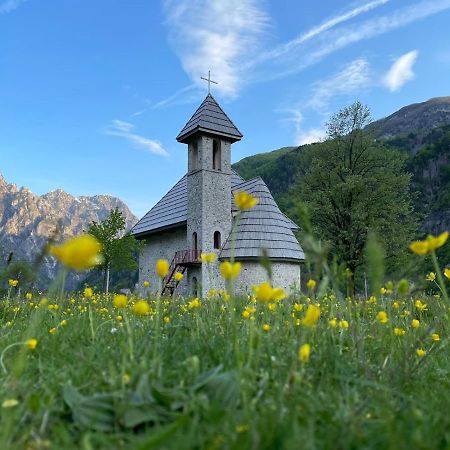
(10, 5)
(124, 130)
(316, 31)
(350, 80)
(305, 54)
(217, 36)
(401, 71)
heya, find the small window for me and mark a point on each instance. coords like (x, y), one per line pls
(194, 287)
(194, 156)
(194, 242)
(217, 157)
(217, 240)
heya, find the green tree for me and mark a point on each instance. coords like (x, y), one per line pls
(119, 248)
(352, 186)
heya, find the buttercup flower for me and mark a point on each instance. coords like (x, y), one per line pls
(415, 323)
(79, 253)
(120, 301)
(382, 317)
(31, 344)
(178, 276)
(431, 276)
(312, 316)
(420, 352)
(311, 284)
(88, 292)
(303, 353)
(266, 327)
(194, 304)
(447, 272)
(146, 283)
(399, 331)
(429, 244)
(332, 323)
(13, 283)
(208, 257)
(343, 324)
(435, 337)
(244, 200)
(420, 306)
(28, 295)
(162, 268)
(141, 308)
(229, 270)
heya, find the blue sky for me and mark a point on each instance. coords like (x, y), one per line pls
(93, 93)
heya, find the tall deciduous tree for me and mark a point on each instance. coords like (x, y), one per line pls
(119, 248)
(353, 185)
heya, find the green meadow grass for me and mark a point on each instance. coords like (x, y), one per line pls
(205, 377)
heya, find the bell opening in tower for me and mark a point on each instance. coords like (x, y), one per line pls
(217, 156)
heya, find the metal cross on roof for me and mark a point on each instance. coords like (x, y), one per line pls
(209, 81)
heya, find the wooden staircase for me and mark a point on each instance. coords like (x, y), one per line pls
(180, 263)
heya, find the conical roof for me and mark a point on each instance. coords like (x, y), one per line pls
(210, 118)
(263, 227)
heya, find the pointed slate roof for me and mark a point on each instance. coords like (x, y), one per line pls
(210, 118)
(263, 227)
(171, 210)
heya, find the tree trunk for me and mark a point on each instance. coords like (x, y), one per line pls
(107, 279)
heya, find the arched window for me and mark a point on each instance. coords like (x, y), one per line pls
(217, 240)
(194, 242)
(217, 157)
(194, 156)
(194, 287)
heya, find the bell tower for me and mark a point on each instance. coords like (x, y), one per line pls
(209, 135)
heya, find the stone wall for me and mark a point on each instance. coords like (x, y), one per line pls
(161, 246)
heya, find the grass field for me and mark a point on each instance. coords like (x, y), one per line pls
(224, 373)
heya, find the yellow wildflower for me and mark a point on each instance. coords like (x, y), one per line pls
(263, 292)
(428, 245)
(396, 305)
(372, 300)
(193, 304)
(272, 306)
(415, 323)
(311, 284)
(79, 253)
(208, 257)
(343, 324)
(10, 403)
(447, 272)
(435, 337)
(31, 344)
(166, 319)
(178, 276)
(383, 291)
(28, 295)
(141, 308)
(162, 268)
(278, 294)
(298, 307)
(399, 331)
(431, 276)
(382, 317)
(244, 200)
(119, 318)
(146, 283)
(229, 270)
(420, 306)
(52, 330)
(120, 301)
(311, 316)
(63, 323)
(266, 327)
(420, 352)
(303, 353)
(332, 323)
(125, 378)
(13, 283)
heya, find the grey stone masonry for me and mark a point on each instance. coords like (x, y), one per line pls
(209, 200)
